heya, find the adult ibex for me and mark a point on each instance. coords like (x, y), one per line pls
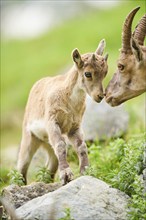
(54, 111)
(129, 80)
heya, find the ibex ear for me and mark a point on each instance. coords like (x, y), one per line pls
(136, 50)
(100, 47)
(77, 58)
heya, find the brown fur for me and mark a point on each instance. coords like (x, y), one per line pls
(54, 110)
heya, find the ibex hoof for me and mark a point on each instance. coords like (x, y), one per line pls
(66, 176)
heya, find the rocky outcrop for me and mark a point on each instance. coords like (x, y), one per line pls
(86, 198)
(103, 121)
(18, 196)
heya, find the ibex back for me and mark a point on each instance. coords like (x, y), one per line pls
(54, 111)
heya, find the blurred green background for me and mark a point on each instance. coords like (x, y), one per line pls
(27, 60)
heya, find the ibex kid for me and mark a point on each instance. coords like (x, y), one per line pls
(54, 111)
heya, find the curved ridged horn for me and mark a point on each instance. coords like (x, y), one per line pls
(140, 31)
(126, 34)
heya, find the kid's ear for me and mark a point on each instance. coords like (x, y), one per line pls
(77, 58)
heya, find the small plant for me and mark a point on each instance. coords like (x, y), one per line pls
(131, 165)
(44, 175)
(90, 171)
(128, 177)
(137, 203)
(67, 215)
(16, 177)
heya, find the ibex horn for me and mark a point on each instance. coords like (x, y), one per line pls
(126, 34)
(93, 57)
(140, 31)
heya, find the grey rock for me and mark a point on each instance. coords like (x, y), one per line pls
(87, 198)
(18, 196)
(103, 121)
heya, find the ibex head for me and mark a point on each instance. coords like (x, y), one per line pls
(92, 68)
(129, 79)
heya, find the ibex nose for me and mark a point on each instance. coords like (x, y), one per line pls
(100, 97)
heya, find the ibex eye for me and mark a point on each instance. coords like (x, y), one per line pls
(121, 66)
(88, 74)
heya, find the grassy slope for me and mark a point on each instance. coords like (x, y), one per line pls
(23, 62)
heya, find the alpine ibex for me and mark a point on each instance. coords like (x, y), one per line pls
(54, 111)
(129, 80)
